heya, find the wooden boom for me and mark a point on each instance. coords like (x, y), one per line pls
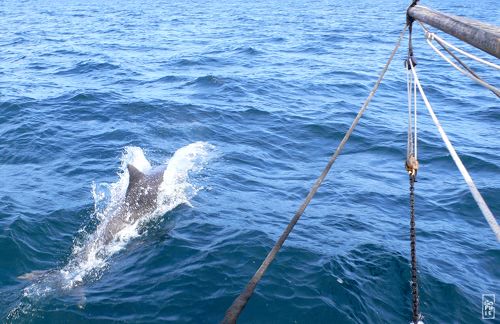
(486, 37)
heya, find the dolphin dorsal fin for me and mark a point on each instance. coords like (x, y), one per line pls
(134, 175)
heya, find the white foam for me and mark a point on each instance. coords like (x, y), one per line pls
(176, 188)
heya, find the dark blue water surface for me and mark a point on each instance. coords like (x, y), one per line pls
(273, 86)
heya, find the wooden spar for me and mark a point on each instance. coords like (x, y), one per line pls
(486, 37)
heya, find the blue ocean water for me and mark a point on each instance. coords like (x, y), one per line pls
(263, 91)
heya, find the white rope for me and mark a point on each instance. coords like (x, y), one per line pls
(481, 82)
(409, 86)
(473, 189)
(415, 117)
(412, 115)
(478, 59)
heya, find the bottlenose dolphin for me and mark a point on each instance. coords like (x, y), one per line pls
(141, 194)
(141, 199)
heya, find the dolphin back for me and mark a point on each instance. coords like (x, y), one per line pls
(142, 190)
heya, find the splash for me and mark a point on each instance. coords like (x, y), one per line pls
(91, 254)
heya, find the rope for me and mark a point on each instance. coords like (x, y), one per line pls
(415, 119)
(240, 302)
(488, 215)
(409, 87)
(445, 43)
(411, 150)
(465, 66)
(413, 238)
(429, 36)
(412, 116)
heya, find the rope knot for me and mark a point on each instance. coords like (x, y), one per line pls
(412, 165)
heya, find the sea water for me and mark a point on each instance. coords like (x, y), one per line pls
(270, 88)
